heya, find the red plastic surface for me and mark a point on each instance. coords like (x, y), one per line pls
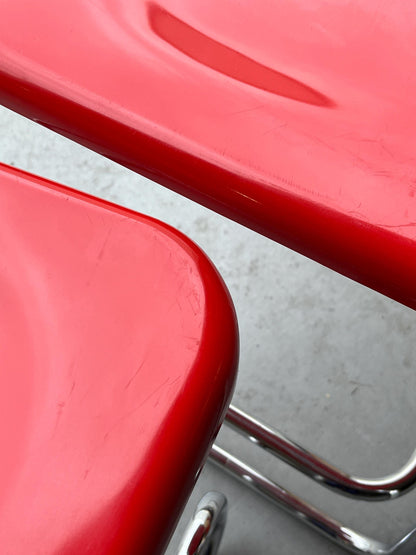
(118, 352)
(295, 118)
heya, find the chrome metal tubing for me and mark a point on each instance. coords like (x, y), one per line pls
(204, 532)
(341, 535)
(388, 487)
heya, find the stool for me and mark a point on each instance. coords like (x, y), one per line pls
(278, 118)
(118, 359)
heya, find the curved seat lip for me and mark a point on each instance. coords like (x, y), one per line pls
(299, 136)
(120, 356)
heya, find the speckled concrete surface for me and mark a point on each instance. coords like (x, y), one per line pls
(327, 361)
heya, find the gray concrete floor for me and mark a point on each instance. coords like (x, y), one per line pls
(327, 361)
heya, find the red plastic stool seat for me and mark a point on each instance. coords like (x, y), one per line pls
(294, 118)
(118, 351)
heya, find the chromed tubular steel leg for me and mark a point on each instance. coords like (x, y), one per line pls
(204, 533)
(322, 523)
(388, 487)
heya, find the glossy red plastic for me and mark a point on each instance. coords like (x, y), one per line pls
(294, 118)
(118, 351)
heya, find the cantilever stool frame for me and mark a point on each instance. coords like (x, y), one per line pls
(274, 442)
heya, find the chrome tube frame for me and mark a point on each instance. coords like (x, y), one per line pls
(204, 532)
(388, 487)
(276, 443)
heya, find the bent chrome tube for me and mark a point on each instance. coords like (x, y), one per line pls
(388, 487)
(330, 528)
(204, 532)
